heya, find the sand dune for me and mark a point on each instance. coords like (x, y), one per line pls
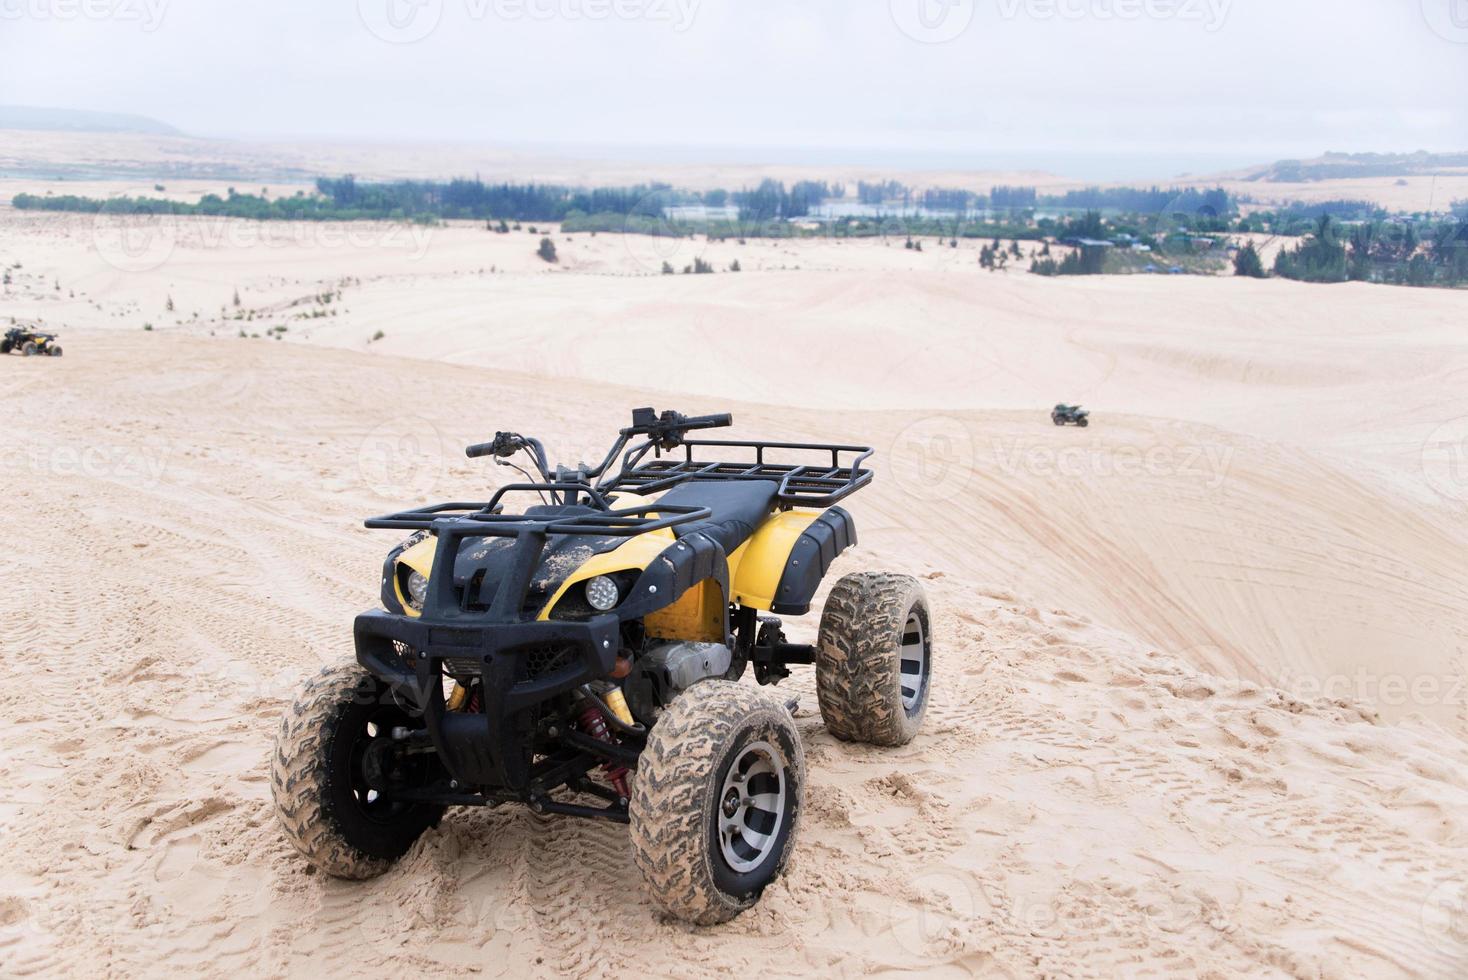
(1258, 493)
(1084, 801)
(1203, 677)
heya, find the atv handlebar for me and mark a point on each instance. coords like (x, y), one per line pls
(664, 431)
(505, 444)
(708, 421)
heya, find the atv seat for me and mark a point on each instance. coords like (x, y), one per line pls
(739, 506)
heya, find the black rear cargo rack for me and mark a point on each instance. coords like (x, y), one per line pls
(816, 484)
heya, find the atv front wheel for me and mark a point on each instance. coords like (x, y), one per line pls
(338, 729)
(874, 659)
(716, 801)
(54, 351)
(29, 349)
(1083, 423)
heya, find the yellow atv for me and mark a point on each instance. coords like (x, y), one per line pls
(29, 342)
(583, 658)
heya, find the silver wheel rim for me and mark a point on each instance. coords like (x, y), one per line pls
(914, 662)
(751, 807)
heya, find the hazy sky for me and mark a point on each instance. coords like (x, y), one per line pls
(1212, 81)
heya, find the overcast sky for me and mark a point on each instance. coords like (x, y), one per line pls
(1191, 82)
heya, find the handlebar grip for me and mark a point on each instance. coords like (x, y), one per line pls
(709, 421)
(480, 449)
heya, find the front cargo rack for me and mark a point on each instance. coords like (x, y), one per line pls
(489, 520)
(816, 484)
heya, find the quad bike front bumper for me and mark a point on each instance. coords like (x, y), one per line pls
(520, 666)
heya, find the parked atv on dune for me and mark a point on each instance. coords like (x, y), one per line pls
(29, 342)
(1070, 415)
(582, 658)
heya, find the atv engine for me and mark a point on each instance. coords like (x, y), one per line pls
(667, 669)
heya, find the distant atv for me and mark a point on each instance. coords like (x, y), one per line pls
(29, 342)
(1070, 415)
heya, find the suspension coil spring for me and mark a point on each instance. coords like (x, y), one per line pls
(592, 723)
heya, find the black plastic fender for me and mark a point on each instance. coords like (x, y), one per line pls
(828, 535)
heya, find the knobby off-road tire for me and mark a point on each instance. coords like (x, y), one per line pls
(316, 777)
(874, 659)
(6, 347)
(54, 351)
(29, 349)
(718, 743)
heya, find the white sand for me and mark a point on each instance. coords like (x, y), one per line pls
(1264, 497)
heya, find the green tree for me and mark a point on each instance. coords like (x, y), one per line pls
(1248, 263)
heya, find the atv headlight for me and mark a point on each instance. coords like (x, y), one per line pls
(602, 593)
(417, 589)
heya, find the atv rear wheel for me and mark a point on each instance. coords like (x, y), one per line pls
(717, 800)
(874, 659)
(6, 346)
(29, 348)
(318, 776)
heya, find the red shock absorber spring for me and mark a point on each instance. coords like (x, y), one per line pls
(594, 724)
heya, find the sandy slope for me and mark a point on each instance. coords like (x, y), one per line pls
(1265, 492)
(1082, 802)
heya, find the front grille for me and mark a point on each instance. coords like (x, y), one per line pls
(405, 654)
(462, 668)
(543, 659)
